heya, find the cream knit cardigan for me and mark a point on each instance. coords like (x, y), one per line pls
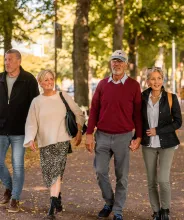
(46, 119)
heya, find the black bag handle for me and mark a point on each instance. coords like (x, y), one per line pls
(84, 128)
(65, 102)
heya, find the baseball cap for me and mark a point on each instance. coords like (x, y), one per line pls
(119, 54)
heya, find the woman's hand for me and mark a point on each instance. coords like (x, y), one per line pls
(32, 145)
(151, 132)
(78, 138)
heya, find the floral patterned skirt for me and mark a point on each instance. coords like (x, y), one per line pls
(53, 160)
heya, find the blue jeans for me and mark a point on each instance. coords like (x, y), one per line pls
(16, 183)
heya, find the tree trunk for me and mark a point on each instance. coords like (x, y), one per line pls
(118, 25)
(182, 56)
(8, 23)
(81, 53)
(132, 43)
(7, 38)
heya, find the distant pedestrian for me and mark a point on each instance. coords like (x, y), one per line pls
(115, 111)
(17, 89)
(46, 124)
(161, 117)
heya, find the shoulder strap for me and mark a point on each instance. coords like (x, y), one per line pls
(169, 96)
(64, 101)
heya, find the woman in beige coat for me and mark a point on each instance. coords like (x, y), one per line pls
(46, 124)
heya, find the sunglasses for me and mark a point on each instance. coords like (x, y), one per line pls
(154, 68)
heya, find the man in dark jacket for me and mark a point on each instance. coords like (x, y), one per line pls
(17, 90)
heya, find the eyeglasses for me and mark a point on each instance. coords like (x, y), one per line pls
(153, 69)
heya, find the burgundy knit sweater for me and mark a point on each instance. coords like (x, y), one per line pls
(116, 108)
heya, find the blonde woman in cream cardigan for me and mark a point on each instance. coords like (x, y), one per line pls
(46, 124)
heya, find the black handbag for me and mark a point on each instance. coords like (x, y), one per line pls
(70, 122)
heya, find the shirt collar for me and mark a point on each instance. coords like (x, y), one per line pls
(122, 79)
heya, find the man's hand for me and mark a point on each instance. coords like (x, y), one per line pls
(135, 144)
(32, 145)
(90, 143)
(78, 138)
(151, 132)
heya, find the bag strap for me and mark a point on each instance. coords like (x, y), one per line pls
(169, 96)
(65, 102)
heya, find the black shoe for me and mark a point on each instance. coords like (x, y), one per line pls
(105, 212)
(118, 217)
(156, 216)
(58, 204)
(165, 214)
(53, 202)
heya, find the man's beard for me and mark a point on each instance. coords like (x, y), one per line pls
(116, 72)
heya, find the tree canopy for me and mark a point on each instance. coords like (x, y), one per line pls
(144, 26)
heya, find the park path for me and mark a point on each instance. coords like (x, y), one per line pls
(81, 195)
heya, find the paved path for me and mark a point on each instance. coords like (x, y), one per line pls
(81, 195)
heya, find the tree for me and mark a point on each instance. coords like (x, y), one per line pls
(152, 23)
(16, 14)
(118, 25)
(133, 27)
(81, 52)
(8, 13)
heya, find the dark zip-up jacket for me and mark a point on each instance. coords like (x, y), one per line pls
(13, 112)
(168, 122)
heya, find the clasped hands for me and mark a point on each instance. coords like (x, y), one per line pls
(134, 145)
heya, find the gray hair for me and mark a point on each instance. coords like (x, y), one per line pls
(16, 52)
(41, 75)
(154, 69)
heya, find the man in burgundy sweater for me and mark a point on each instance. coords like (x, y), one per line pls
(115, 111)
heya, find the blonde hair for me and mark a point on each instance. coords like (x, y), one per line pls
(154, 69)
(41, 75)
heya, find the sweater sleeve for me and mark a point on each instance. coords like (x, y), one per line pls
(80, 119)
(31, 126)
(95, 110)
(137, 112)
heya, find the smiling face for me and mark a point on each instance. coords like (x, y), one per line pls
(118, 67)
(155, 81)
(47, 83)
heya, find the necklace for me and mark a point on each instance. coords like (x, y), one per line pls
(155, 97)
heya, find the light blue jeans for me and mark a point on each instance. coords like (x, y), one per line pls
(16, 183)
